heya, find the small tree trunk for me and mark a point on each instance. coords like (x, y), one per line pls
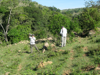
(7, 27)
(5, 36)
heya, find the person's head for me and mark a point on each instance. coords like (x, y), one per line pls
(32, 35)
(62, 26)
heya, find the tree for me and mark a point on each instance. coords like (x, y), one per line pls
(89, 19)
(36, 14)
(54, 9)
(56, 21)
(7, 27)
(11, 4)
(19, 33)
(92, 3)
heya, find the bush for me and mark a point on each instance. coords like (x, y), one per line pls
(75, 26)
(35, 14)
(97, 60)
(19, 33)
(3, 9)
(94, 51)
(89, 19)
(56, 22)
(40, 34)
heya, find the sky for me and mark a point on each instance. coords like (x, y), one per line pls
(63, 4)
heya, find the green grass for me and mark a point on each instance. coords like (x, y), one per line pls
(79, 57)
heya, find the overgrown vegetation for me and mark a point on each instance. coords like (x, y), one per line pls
(81, 56)
(42, 19)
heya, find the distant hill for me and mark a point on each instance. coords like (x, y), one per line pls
(72, 11)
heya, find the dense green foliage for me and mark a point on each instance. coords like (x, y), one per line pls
(19, 33)
(72, 12)
(88, 19)
(56, 22)
(42, 19)
(81, 56)
(3, 9)
(35, 14)
(54, 9)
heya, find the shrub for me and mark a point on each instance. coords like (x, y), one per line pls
(97, 60)
(94, 51)
(56, 22)
(19, 33)
(75, 26)
(89, 19)
(40, 33)
(3, 9)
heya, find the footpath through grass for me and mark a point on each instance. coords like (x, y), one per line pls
(80, 57)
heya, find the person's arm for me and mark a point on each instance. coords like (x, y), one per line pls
(29, 36)
(34, 38)
(61, 31)
(66, 31)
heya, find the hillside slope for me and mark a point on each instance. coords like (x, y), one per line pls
(80, 56)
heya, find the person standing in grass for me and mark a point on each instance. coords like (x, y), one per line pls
(63, 32)
(32, 42)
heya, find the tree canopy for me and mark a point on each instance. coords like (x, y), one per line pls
(20, 17)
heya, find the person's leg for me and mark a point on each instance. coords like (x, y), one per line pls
(65, 41)
(36, 47)
(31, 46)
(62, 42)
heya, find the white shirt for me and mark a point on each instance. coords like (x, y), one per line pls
(63, 32)
(32, 40)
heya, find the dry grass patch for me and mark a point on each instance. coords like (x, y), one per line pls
(19, 67)
(66, 72)
(85, 49)
(98, 67)
(84, 55)
(7, 73)
(43, 64)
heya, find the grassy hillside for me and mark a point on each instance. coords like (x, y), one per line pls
(81, 56)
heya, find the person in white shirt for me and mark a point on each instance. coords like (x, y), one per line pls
(63, 32)
(32, 42)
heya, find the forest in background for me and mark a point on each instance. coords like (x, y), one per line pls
(18, 18)
(80, 56)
